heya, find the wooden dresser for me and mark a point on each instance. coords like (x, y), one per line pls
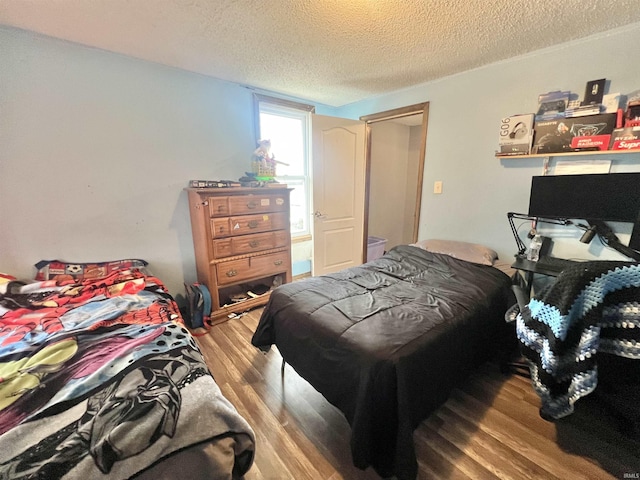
(242, 243)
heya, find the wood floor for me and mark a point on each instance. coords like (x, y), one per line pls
(489, 428)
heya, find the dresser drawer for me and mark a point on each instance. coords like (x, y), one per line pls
(218, 206)
(258, 223)
(254, 267)
(242, 244)
(270, 264)
(246, 204)
(222, 248)
(224, 227)
(233, 271)
(220, 227)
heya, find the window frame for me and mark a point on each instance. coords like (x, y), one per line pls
(275, 106)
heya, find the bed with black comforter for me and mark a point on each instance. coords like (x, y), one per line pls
(387, 341)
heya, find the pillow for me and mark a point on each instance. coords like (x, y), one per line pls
(470, 252)
(5, 279)
(56, 269)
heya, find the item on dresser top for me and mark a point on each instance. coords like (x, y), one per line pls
(213, 183)
(251, 181)
(264, 162)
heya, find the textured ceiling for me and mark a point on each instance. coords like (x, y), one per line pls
(330, 51)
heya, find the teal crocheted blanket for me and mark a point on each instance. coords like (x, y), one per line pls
(591, 307)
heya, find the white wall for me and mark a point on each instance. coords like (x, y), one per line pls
(96, 149)
(464, 118)
(395, 154)
(410, 187)
(389, 160)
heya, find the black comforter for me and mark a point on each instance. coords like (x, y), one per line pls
(387, 341)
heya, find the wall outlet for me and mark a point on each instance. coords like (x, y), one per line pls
(437, 187)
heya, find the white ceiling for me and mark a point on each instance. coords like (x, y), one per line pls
(330, 51)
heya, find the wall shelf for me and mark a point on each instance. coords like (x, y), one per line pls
(568, 154)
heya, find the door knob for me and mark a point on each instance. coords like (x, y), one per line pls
(317, 214)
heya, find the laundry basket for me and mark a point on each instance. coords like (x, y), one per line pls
(375, 247)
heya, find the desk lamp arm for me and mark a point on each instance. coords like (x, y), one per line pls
(520, 244)
(611, 240)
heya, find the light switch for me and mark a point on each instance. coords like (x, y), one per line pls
(437, 187)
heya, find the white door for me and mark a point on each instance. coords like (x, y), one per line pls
(338, 193)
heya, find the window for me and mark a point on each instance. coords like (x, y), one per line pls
(287, 125)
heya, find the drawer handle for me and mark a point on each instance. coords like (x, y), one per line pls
(277, 262)
(254, 243)
(220, 207)
(253, 223)
(232, 273)
(252, 204)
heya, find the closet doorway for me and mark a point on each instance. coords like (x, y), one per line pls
(396, 146)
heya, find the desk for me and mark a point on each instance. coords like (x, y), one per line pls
(549, 266)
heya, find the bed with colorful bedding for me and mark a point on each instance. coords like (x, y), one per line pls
(387, 341)
(99, 378)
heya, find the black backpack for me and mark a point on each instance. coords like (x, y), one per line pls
(198, 305)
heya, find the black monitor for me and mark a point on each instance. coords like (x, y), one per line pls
(613, 197)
